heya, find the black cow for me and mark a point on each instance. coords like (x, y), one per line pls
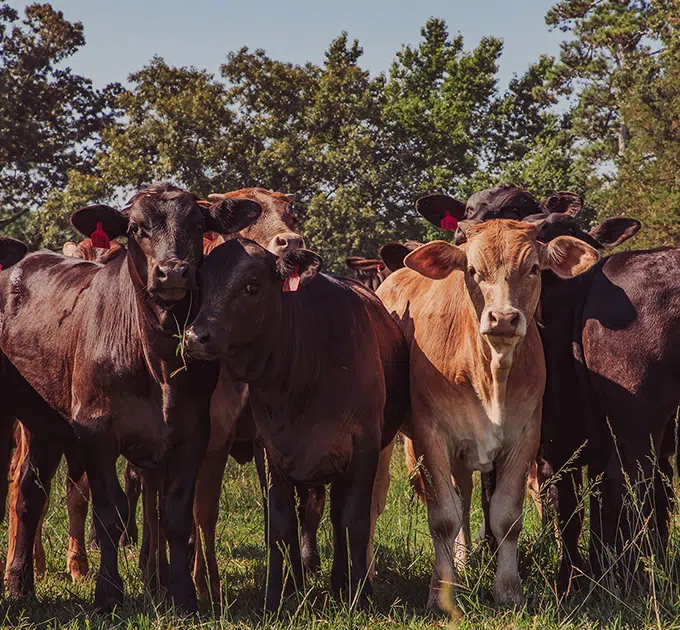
(327, 369)
(371, 272)
(90, 366)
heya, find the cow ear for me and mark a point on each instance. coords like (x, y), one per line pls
(614, 231)
(436, 260)
(303, 262)
(563, 202)
(355, 263)
(567, 256)
(393, 254)
(290, 197)
(231, 215)
(11, 251)
(113, 221)
(435, 207)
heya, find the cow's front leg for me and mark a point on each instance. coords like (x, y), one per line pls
(505, 512)
(177, 518)
(444, 512)
(109, 511)
(280, 530)
(351, 499)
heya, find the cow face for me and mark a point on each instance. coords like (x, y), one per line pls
(11, 251)
(501, 263)
(164, 226)
(275, 228)
(242, 287)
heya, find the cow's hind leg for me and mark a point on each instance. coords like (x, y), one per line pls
(381, 487)
(77, 502)
(133, 490)
(35, 479)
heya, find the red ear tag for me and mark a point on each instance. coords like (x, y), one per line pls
(380, 267)
(0, 267)
(448, 222)
(292, 282)
(99, 238)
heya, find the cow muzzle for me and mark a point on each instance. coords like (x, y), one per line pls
(286, 242)
(172, 279)
(503, 323)
(198, 343)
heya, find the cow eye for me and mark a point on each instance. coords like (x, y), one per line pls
(252, 289)
(534, 270)
(472, 272)
(134, 228)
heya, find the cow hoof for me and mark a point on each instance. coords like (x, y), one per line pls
(508, 592)
(311, 561)
(20, 584)
(108, 594)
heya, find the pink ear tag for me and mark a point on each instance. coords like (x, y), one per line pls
(0, 267)
(292, 282)
(448, 222)
(380, 266)
(99, 237)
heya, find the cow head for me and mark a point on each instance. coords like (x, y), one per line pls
(609, 233)
(243, 288)
(164, 226)
(274, 230)
(11, 251)
(501, 263)
(372, 272)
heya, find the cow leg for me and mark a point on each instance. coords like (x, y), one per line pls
(351, 503)
(179, 486)
(462, 477)
(109, 512)
(505, 515)
(206, 512)
(133, 490)
(7, 441)
(37, 471)
(488, 488)
(152, 556)
(280, 530)
(77, 502)
(444, 515)
(381, 487)
(310, 511)
(570, 517)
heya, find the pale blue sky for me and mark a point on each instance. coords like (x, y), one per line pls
(122, 35)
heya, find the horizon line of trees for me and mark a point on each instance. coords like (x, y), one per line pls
(357, 149)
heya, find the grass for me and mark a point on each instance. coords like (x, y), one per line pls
(405, 560)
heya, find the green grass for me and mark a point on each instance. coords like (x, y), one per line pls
(405, 559)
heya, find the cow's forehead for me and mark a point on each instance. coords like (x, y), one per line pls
(502, 245)
(156, 208)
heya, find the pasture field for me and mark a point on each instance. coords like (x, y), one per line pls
(405, 559)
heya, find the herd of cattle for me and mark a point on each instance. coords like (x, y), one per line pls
(213, 333)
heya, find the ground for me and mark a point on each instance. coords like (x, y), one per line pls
(405, 559)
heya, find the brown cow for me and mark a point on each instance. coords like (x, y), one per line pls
(322, 416)
(477, 376)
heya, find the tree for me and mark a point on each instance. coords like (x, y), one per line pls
(50, 118)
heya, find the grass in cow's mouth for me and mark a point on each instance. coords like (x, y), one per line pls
(179, 350)
(404, 564)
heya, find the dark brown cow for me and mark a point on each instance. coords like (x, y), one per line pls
(322, 416)
(89, 351)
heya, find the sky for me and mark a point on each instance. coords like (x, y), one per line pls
(122, 35)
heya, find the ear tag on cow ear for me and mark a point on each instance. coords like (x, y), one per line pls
(448, 222)
(99, 237)
(292, 282)
(380, 266)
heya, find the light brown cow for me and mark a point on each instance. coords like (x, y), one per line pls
(477, 376)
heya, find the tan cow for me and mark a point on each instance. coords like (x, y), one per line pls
(477, 376)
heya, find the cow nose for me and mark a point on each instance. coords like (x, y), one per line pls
(172, 273)
(503, 323)
(283, 243)
(196, 342)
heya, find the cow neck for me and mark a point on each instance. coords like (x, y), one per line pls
(288, 362)
(496, 365)
(158, 322)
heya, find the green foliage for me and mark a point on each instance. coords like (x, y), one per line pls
(50, 118)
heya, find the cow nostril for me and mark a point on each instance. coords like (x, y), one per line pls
(203, 337)
(184, 270)
(492, 318)
(514, 322)
(161, 273)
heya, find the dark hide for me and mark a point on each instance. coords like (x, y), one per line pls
(89, 350)
(372, 272)
(322, 416)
